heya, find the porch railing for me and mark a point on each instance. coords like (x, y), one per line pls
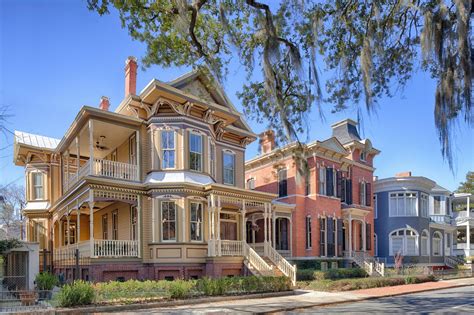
(115, 248)
(282, 264)
(255, 262)
(231, 248)
(104, 168)
(441, 218)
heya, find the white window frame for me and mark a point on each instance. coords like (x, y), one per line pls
(308, 232)
(224, 169)
(425, 243)
(250, 183)
(163, 149)
(199, 223)
(162, 222)
(132, 149)
(197, 134)
(405, 199)
(440, 245)
(402, 234)
(376, 208)
(280, 179)
(115, 227)
(424, 205)
(38, 186)
(363, 193)
(322, 188)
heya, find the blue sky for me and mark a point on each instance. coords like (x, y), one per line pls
(56, 56)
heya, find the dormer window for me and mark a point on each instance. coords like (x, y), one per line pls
(38, 187)
(363, 156)
(195, 152)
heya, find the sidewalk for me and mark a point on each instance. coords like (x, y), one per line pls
(304, 299)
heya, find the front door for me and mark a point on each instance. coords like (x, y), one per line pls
(228, 230)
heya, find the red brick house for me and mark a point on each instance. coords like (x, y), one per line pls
(329, 183)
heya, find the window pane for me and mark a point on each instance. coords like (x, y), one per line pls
(411, 246)
(196, 143)
(229, 167)
(397, 245)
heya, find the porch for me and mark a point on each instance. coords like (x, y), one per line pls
(101, 149)
(114, 235)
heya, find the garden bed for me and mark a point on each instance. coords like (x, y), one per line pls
(361, 283)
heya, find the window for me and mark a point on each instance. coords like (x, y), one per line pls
(437, 204)
(403, 204)
(376, 210)
(229, 168)
(363, 156)
(72, 233)
(362, 194)
(322, 181)
(38, 191)
(105, 227)
(212, 159)
(424, 244)
(133, 149)
(437, 244)
(330, 181)
(168, 221)
(167, 149)
(251, 183)
(195, 152)
(323, 237)
(424, 205)
(404, 241)
(196, 221)
(309, 241)
(133, 223)
(282, 183)
(307, 182)
(115, 225)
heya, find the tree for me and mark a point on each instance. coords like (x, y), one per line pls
(468, 185)
(369, 48)
(12, 202)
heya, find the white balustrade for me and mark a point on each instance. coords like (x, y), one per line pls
(282, 264)
(115, 248)
(441, 218)
(114, 169)
(231, 248)
(256, 262)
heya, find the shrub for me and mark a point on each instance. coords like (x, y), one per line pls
(305, 274)
(46, 281)
(130, 291)
(180, 289)
(77, 293)
(345, 273)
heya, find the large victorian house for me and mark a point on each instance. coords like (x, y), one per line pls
(329, 184)
(153, 190)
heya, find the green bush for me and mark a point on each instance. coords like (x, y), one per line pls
(46, 281)
(180, 289)
(330, 274)
(75, 294)
(131, 291)
(305, 274)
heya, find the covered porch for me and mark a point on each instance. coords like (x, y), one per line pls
(357, 233)
(463, 213)
(98, 224)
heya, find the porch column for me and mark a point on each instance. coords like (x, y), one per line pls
(153, 219)
(78, 227)
(350, 235)
(468, 238)
(60, 228)
(67, 169)
(91, 222)
(290, 242)
(218, 225)
(139, 226)
(244, 234)
(274, 231)
(91, 147)
(183, 222)
(364, 236)
(78, 157)
(68, 231)
(265, 229)
(139, 164)
(253, 231)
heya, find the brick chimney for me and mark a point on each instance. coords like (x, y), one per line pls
(130, 76)
(267, 141)
(403, 174)
(104, 103)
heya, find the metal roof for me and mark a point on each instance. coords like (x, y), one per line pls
(36, 140)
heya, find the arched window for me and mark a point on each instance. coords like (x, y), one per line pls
(425, 244)
(437, 244)
(404, 241)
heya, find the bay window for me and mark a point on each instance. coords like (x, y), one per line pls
(229, 168)
(403, 204)
(38, 187)
(404, 241)
(195, 152)
(168, 149)
(424, 205)
(168, 221)
(196, 221)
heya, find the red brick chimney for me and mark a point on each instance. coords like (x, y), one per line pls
(130, 76)
(403, 174)
(267, 141)
(104, 103)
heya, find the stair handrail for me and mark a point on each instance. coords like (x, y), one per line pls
(257, 261)
(288, 269)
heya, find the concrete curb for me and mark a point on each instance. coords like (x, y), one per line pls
(363, 298)
(129, 307)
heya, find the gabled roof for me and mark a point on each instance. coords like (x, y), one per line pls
(333, 144)
(37, 141)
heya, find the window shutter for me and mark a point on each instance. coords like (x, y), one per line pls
(330, 236)
(340, 236)
(343, 190)
(339, 184)
(361, 193)
(321, 239)
(349, 191)
(368, 236)
(368, 193)
(329, 182)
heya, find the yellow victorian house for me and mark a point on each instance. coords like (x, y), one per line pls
(154, 190)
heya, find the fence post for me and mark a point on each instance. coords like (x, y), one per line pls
(76, 254)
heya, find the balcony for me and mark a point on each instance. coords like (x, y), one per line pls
(441, 218)
(103, 168)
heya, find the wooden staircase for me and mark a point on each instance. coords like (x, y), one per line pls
(276, 272)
